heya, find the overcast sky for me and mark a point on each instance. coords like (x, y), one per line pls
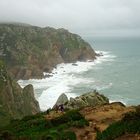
(85, 17)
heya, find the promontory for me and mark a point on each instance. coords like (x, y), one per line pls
(28, 51)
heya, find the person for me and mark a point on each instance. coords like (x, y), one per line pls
(61, 108)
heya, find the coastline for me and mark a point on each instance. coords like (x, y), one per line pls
(65, 78)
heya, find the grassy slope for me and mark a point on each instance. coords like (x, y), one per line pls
(38, 127)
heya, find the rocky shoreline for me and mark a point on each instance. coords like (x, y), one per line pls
(28, 52)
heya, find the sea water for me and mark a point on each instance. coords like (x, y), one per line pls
(116, 74)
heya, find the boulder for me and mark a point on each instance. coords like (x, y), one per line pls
(31, 106)
(74, 64)
(62, 99)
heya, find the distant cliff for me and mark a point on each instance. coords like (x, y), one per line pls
(15, 102)
(29, 51)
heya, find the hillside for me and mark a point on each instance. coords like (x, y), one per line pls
(83, 124)
(28, 51)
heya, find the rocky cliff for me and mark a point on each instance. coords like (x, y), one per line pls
(29, 51)
(15, 102)
(88, 99)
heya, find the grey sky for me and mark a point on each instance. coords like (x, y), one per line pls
(86, 17)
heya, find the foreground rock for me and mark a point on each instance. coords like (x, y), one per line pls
(29, 51)
(88, 99)
(15, 102)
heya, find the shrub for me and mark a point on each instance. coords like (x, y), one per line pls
(78, 124)
(72, 115)
(51, 135)
(68, 135)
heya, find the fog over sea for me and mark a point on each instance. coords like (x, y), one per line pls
(116, 74)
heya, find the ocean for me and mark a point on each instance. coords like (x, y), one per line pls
(116, 74)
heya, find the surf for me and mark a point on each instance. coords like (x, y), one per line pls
(65, 78)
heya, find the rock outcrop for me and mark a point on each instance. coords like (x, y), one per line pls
(15, 102)
(28, 51)
(62, 99)
(88, 99)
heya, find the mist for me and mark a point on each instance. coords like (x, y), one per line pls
(85, 17)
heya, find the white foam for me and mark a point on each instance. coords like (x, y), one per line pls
(119, 98)
(103, 86)
(62, 84)
(107, 56)
(122, 101)
(64, 78)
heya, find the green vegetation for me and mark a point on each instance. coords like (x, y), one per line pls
(129, 124)
(37, 127)
(3, 74)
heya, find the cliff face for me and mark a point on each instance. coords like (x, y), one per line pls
(29, 51)
(15, 102)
